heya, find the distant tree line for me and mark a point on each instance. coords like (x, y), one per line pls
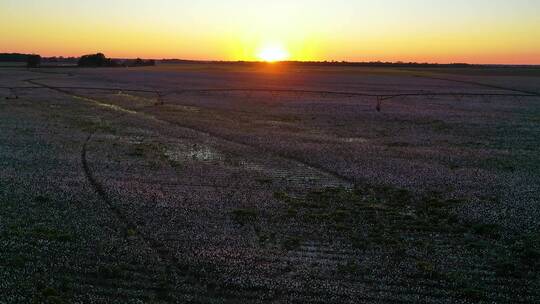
(32, 60)
(61, 60)
(139, 62)
(398, 64)
(92, 60)
(100, 60)
(13, 57)
(96, 60)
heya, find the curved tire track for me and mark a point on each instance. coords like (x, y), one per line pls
(314, 166)
(184, 270)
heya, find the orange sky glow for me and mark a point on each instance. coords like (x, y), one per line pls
(474, 31)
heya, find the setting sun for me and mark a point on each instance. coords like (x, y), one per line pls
(273, 53)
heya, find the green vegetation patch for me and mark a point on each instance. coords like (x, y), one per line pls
(245, 216)
(42, 232)
(91, 126)
(48, 295)
(374, 216)
(113, 271)
(291, 243)
(520, 258)
(349, 268)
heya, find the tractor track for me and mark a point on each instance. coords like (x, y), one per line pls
(127, 224)
(159, 247)
(226, 139)
(186, 271)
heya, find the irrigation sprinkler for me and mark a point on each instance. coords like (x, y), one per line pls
(381, 98)
(159, 101)
(277, 92)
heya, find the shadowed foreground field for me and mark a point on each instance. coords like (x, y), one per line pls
(271, 192)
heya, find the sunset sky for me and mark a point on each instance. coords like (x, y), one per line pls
(474, 31)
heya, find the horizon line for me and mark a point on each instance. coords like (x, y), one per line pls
(325, 61)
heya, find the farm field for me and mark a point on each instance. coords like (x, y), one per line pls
(269, 183)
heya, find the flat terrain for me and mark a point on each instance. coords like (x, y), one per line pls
(221, 183)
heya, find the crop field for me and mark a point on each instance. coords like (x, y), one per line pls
(269, 183)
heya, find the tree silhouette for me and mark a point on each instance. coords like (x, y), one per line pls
(96, 60)
(33, 61)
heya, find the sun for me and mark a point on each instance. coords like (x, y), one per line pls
(273, 52)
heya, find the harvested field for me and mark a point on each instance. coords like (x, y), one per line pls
(223, 183)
